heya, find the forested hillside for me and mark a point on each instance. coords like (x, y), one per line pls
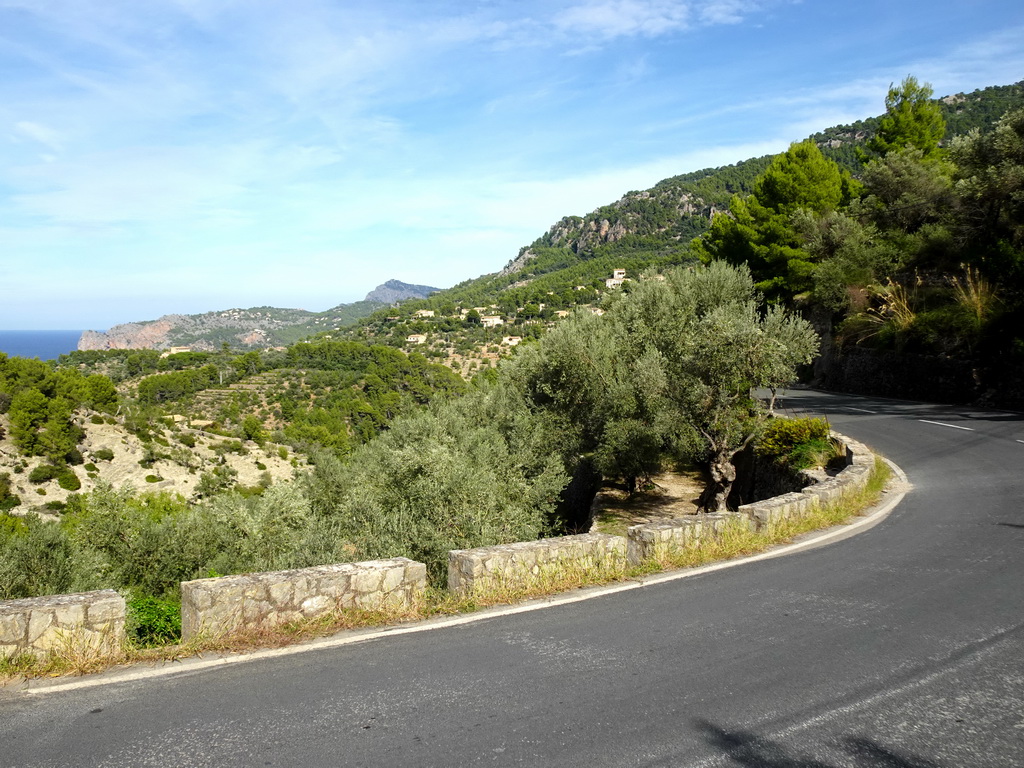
(646, 231)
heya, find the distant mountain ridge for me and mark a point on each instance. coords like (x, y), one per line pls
(396, 290)
(253, 328)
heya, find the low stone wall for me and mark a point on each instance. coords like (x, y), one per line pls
(229, 603)
(659, 540)
(220, 605)
(488, 567)
(88, 620)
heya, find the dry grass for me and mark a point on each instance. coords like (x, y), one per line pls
(975, 294)
(735, 540)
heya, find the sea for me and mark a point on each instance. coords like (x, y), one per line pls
(46, 345)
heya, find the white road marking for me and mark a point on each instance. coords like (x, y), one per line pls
(944, 424)
(862, 410)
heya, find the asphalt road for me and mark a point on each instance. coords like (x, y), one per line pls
(898, 648)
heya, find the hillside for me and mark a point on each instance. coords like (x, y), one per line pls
(253, 328)
(643, 232)
(651, 228)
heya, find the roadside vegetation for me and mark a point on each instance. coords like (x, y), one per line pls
(735, 541)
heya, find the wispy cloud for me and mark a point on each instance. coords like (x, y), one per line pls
(618, 18)
(42, 134)
(609, 19)
(257, 143)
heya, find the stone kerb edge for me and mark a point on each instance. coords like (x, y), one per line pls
(480, 568)
(86, 621)
(659, 539)
(225, 604)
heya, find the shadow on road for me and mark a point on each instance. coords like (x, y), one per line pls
(745, 748)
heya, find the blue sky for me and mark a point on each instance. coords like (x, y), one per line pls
(190, 155)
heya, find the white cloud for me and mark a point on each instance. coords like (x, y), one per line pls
(725, 11)
(609, 19)
(41, 133)
(624, 18)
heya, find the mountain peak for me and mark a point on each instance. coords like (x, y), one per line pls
(396, 290)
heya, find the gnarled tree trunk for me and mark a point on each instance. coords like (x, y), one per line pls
(721, 476)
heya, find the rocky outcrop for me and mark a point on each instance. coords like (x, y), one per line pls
(516, 265)
(150, 335)
(396, 290)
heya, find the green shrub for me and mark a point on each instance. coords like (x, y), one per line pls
(103, 454)
(153, 478)
(230, 446)
(8, 500)
(260, 465)
(218, 479)
(152, 621)
(96, 419)
(68, 480)
(797, 443)
(43, 473)
(36, 558)
(187, 440)
(91, 468)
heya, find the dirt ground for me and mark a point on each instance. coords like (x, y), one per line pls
(672, 494)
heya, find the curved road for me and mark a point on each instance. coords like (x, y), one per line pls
(898, 648)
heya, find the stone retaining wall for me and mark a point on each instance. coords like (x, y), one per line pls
(88, 620)
(488, 567)
(229, 603)
(661, 539)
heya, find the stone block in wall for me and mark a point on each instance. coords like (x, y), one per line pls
(663, 539)
(785, 507)
(231, 603)
(481, 568)
(826, 492)
(87, 621)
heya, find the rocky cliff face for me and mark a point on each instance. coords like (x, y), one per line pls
(150, 335)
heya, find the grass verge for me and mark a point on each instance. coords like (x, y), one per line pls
(735, 540)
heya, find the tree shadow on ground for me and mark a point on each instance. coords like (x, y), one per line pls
(745, 748)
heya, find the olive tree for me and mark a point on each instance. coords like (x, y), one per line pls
(715, 345)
